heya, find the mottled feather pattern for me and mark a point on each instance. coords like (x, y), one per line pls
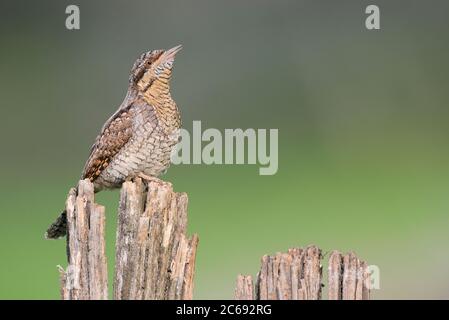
(137, 139)
(114, 135)
(140, 136)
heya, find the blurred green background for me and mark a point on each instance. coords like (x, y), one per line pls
(363, 123)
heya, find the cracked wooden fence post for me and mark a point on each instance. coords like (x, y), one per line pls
(86, 275)
(154, 257)
(348, 277)
(244, 289)
(297, 275)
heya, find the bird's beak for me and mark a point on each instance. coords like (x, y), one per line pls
(170, 53)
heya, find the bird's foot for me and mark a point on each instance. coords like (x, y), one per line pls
(149, 178)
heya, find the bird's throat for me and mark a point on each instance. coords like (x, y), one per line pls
(157, 95)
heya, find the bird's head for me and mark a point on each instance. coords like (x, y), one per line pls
(153, 65)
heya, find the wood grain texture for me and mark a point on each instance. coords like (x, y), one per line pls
(348, 277)
(297, 275)
(352, 277)
(244, 289)
(86, 275)
(154, 257)
(335, 273)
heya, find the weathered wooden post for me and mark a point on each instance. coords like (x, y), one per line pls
(297, 275)
(86, 277)
(154, 257)
(348, 277)
(156, 260)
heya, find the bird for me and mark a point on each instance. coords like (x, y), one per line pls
(138, 139)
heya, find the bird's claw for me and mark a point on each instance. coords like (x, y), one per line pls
(149, 178)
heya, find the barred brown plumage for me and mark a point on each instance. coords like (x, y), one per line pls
(138, 138)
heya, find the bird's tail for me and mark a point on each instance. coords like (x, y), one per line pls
(58, 229)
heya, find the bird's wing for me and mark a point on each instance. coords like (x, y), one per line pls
(115, 133)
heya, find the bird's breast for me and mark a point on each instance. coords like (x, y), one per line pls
(155, 135)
